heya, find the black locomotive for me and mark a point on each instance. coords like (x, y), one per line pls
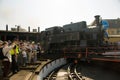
(72, 36)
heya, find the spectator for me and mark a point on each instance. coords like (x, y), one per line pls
(34, 52)
(1, 47)
(29, 49)
(7, 62)
(24, 57)
(14, 60)
(38, 50)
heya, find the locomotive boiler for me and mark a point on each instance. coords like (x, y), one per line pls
(73, 37)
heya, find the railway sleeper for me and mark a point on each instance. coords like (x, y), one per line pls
(72, 74)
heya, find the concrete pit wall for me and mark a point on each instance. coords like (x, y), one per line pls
(50, 67)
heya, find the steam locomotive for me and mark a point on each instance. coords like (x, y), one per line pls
(72, 36)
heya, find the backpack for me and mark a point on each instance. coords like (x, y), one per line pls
(1, 54)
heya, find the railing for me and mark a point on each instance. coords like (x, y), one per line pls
(78, 52)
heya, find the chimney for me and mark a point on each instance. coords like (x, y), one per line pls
(29, 29)
(6, 27)
(71, 22)
(34, 30)
(18, 28)
(38, 29)
(97, 19)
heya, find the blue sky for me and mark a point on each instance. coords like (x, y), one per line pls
(49, 13)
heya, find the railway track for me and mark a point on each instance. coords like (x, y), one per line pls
(51, 76)
(69, 71)
(72, 72)
(91, 71)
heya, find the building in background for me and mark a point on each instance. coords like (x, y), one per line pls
(114, 30)
(20, 33)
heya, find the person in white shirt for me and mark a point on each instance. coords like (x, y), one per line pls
(7, 61)
(24, 57)
(29, 52)
(6, 50)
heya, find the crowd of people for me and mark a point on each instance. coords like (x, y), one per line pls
(16, 53)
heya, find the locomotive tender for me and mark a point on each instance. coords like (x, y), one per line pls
(57, 39)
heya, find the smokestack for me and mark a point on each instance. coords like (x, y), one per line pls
(18, 28)
(6, 27)
(38, 29)
(97, 19)
(29, 29)
(71, 22)
(34, 30)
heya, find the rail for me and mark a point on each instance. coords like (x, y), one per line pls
(72, 72)
(79, 75)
